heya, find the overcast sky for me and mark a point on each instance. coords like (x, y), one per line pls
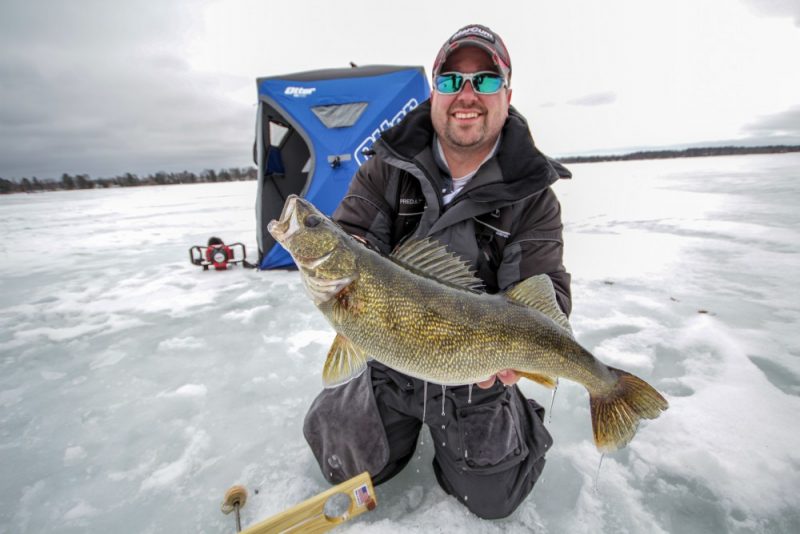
(99, 87)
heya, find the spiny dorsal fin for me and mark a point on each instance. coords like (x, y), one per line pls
(430, 258)
(345, 362)
(538, 293)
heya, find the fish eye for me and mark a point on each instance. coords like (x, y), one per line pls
(312, 220)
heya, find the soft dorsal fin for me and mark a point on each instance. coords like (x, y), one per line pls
(538, 293)
(430, 258)
(345, 362)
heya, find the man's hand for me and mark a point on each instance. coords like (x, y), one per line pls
(506, 376)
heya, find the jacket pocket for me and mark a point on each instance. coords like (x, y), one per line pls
(491, 437)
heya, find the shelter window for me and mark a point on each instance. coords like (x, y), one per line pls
(277, 133)
(339, 115)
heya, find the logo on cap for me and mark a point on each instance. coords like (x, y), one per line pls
(472, 30)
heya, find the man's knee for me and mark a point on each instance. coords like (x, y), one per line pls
(494, 496)
(506, 442)
(345, 432)
(353, 428)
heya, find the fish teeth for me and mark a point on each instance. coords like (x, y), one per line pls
(294, 225)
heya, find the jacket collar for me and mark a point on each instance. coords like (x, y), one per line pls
(524, 170)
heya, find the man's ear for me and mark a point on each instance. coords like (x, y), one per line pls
(509, 96)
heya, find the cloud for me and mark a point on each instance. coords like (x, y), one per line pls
(99, 87)
(785, 123)
(104, 88)
(594, 99)
(776, 8)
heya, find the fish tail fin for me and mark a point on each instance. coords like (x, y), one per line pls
(616, 414)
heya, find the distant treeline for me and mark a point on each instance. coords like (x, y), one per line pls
(687, 153)
(83, 181)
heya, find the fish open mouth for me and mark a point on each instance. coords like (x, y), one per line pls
(282, 228)
(288, 225)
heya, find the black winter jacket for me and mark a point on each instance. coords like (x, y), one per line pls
(506, 221)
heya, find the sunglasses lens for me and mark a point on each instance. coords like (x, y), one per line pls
(449, 83)
(487, 83)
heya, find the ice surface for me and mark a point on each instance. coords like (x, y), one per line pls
(135, 388)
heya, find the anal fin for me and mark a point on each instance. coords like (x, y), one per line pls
(546, 381)
(345, 362)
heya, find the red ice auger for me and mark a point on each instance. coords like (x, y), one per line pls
(218, 255)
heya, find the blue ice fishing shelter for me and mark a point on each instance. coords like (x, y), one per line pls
(312, 132)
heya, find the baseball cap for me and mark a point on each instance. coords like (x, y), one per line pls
(482, 37)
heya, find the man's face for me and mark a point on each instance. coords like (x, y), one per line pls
(469, 120)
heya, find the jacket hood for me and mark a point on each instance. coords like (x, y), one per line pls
(525, 170)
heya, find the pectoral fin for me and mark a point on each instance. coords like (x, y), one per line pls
(546, 381)
(345, 362)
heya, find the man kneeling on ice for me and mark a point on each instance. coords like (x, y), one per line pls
(463, 170)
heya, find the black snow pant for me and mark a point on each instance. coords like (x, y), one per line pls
(489, 444)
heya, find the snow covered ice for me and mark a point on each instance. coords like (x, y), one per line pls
(136, 388)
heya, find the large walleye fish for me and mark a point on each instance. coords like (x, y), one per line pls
(421, 312)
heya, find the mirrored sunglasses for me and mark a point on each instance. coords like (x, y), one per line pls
(485, 83)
